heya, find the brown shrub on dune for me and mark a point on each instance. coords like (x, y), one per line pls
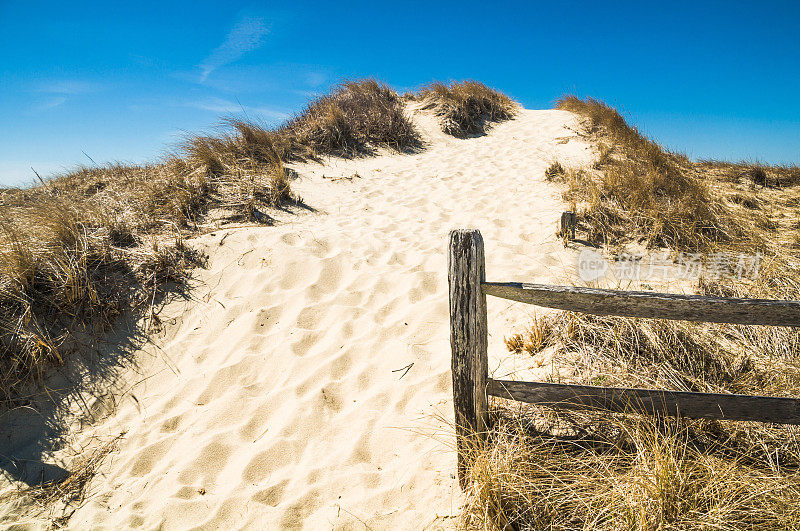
(641, 189)
(354, 119)
(468, 107)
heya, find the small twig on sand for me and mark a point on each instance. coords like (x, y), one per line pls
(340, 508)
(343, 178)
(404, 369)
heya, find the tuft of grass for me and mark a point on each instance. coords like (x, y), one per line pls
(554, 172)
(354, 119)
(468, 107)
(535, 338)
(55, 501)
(246, 168)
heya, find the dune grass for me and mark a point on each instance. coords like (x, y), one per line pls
(84, 248)
(355, 119)
(79, 251)
(552, 469)
(88, 246)
(639, 191)
(466, 108)
(598, 470)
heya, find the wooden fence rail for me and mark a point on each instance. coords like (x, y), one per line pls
(650, 305)
(469, 339)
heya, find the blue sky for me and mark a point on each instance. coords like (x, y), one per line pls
(123, 81)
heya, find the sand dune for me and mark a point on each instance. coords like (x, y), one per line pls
(301, 385)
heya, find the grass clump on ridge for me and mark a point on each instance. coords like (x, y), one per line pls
(355, 119)
(637, 190)
(640, 189)
(600, 470)
(466, 108)
(86, 247)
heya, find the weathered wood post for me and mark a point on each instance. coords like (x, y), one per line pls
(468, 341)
(567, 225)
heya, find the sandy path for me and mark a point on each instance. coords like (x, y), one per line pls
(275, 398)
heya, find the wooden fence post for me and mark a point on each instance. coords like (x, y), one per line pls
(468, 341)
(567, 230)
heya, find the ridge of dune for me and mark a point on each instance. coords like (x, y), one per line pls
(307, 381)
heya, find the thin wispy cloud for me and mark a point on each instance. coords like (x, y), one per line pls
(50, 103)
(69, 87)
(246, 35)
(56, 92)
(223, 106)
(315, 78)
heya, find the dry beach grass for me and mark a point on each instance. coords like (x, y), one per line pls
(598, 471)
(82, 249)
(466, 108)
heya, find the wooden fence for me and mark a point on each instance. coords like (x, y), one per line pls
(469, 340)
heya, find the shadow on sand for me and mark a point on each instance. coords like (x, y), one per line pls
(34, 427)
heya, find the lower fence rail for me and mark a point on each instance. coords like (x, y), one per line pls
(720, 406)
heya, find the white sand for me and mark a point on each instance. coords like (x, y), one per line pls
(275, 397)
